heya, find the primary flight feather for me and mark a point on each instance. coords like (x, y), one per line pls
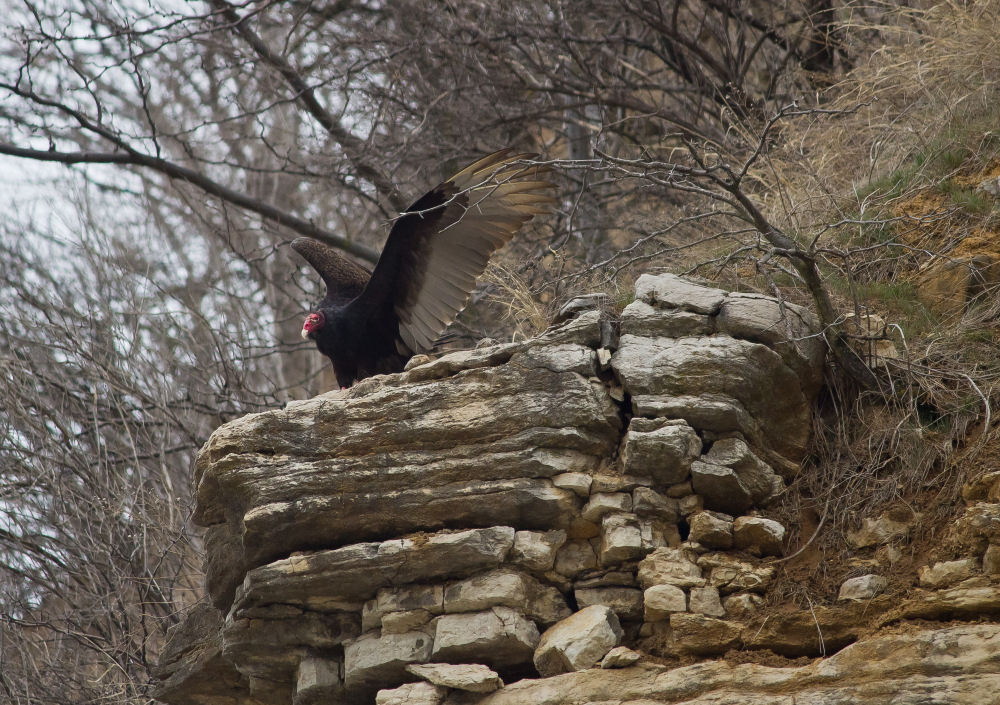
(372, 322)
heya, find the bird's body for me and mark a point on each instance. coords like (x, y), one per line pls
(372, 322)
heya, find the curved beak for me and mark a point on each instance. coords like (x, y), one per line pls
(305, 333)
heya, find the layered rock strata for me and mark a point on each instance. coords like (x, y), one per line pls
(521, 508)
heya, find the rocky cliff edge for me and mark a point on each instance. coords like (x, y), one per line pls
(547, 515)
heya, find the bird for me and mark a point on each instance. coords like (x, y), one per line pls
(373, 322)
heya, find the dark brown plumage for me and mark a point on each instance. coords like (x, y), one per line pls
(372, 323)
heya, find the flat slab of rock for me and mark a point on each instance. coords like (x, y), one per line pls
(579, 641)
(672, 291)
(474, 449)
(787, 328)
(472, 677)
(324, 578)
(954, 665)
(626, 602)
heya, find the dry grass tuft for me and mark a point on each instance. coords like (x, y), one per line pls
(521, 311)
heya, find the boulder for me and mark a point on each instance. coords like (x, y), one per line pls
(578, 642)
(620, 657)
(719, 384)
(863, 587)
(711, 529)
(690, 504)
(499, 637)
(720, 487)
(575, 557)
(372, 662)
(508, 588)
(660, 449)
(650, 503)
(759, 536)
(605, 503)
(660, 601)
(756, 476)
(536, 550)
(669, 566)
(947, 573)
(705, 600)
(621, 539)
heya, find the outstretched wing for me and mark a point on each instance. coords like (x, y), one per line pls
(437, 249)
(344, 279)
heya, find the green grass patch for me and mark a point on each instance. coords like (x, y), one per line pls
(891, 185)
(896, 301)
(967, 199)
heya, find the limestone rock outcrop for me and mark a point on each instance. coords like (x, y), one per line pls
(451, 533)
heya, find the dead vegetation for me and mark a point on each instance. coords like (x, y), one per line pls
(891, 189)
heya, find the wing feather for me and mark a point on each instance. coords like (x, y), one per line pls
(344, 278)
(437, 250)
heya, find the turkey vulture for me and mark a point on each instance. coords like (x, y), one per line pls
(372, 322)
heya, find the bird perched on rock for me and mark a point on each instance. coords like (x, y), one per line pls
(372, 322)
